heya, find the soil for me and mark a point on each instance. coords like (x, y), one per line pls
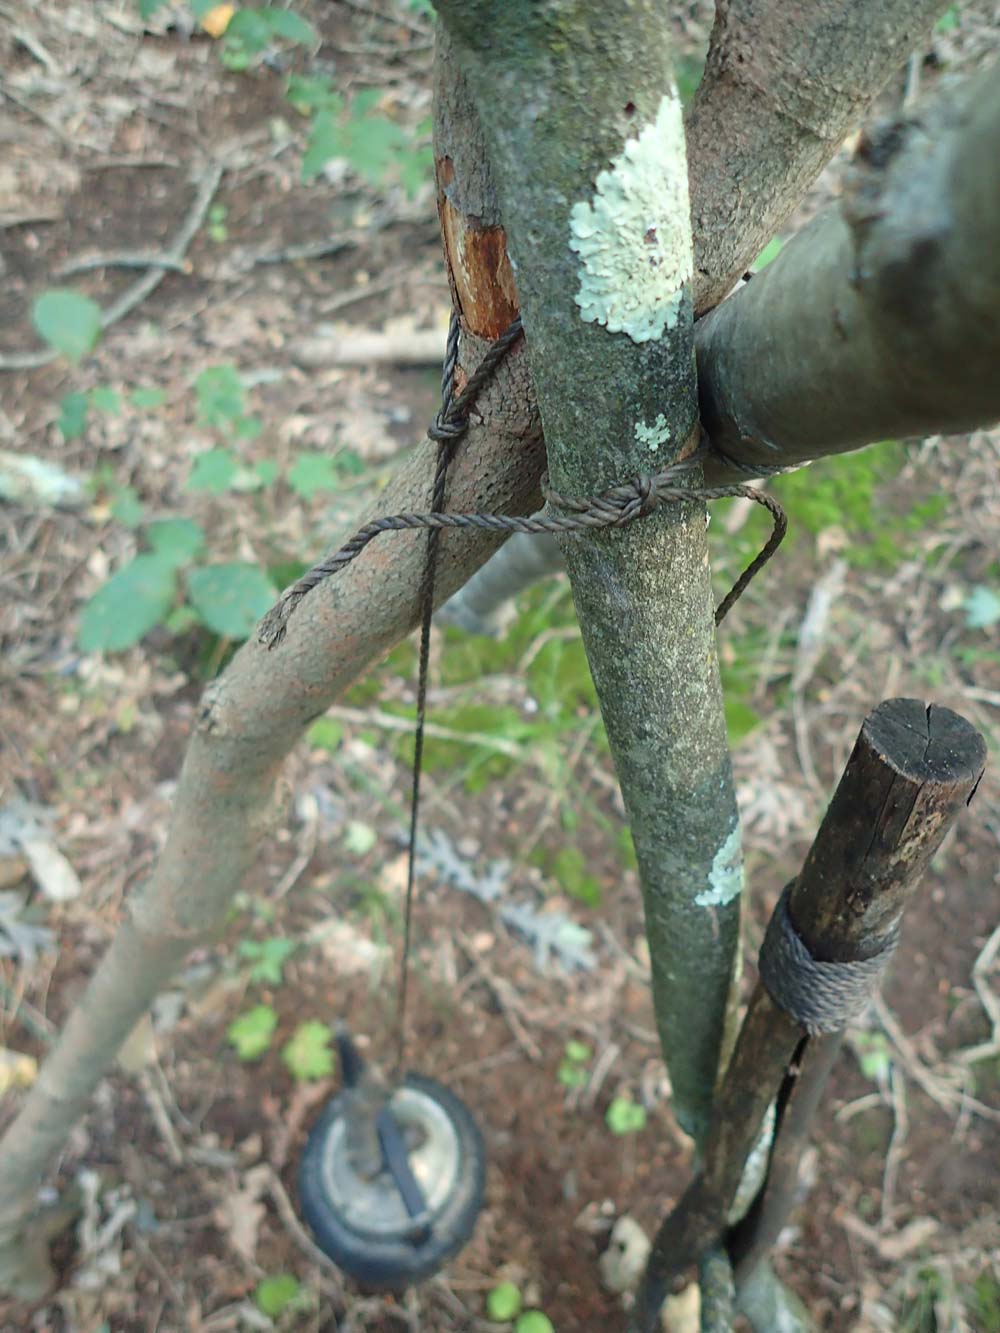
(108, 129)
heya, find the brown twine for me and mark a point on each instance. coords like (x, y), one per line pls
(614, 508)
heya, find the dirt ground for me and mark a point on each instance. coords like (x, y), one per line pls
(187, 1158)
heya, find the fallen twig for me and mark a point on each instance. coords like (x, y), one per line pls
(122, 259)
(137, 292)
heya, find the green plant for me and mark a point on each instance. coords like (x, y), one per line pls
(251, 33)
(268, 958)
(228, 598)
(217, 229)
(250, 1034)
(68, 321)
(275, 1294)
(572, 1071)
(533, 1321)
(986, 1302)
(874, 1055)
(624, 1116)
(504, 1302)
(378, 148)
(307, 1055)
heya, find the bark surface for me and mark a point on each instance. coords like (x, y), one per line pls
(783, 86)
(881, 319)
(642, 593)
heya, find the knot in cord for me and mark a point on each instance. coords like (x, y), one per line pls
(446, 428)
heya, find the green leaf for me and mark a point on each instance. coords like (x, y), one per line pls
(105, 399)
(249, 29)
(180, 620)
(571, 1075)
(325, 734)
(982, 608)
(148, 397)
(359, 838)
(874, 1055)
(504, 1302)
(177, 540)
(73, 415)
(624, 1116)
(533, 1321)
(948, 21)
(247, 428)
(569, 867)
(268, 958)
(308, 1054)
(250, 1034)
(267, 471)
(132, 601)
(230, 599)
(274, 1294)
(292, 27)
(126, 507)
(326, 140)
(740, 718)
(578, 1051)
(416, 169)
(69, 323)
(213, 471)
(147, 8)
(220, 393)
(311, 473)
(374, 147)
(308, 94)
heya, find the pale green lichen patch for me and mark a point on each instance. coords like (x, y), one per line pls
(634, 236)
(725, 879)
(655, 435)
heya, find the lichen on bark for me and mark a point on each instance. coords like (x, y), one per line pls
(568, 96)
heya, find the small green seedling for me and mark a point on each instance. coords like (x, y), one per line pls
(624, 1116)
(533, 1321)
(275, 1294)
(268, 958)
(308, 1056)
(251, 1033)
(572, 1072)
(504, 1302)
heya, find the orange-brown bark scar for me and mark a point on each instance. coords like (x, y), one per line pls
(481, 277)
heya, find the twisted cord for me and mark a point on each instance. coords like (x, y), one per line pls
(615, 507)
(819, 996)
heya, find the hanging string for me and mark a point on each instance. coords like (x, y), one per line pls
(615, 507)
(449, 426)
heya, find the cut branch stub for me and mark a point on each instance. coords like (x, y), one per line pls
(913, 769)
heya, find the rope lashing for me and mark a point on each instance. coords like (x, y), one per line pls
(819, 996)
(615, 507)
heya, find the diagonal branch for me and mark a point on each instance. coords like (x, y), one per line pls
(784, 84)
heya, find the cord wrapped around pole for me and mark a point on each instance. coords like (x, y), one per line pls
(913, 770)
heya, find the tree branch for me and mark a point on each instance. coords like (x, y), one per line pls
(783, 86)
(899, 333)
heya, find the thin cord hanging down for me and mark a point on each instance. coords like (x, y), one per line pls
(449, 426)
(616, 507)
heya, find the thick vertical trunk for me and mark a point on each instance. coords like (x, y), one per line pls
(598, 225)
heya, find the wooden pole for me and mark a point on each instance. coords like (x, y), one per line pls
(914, 768)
